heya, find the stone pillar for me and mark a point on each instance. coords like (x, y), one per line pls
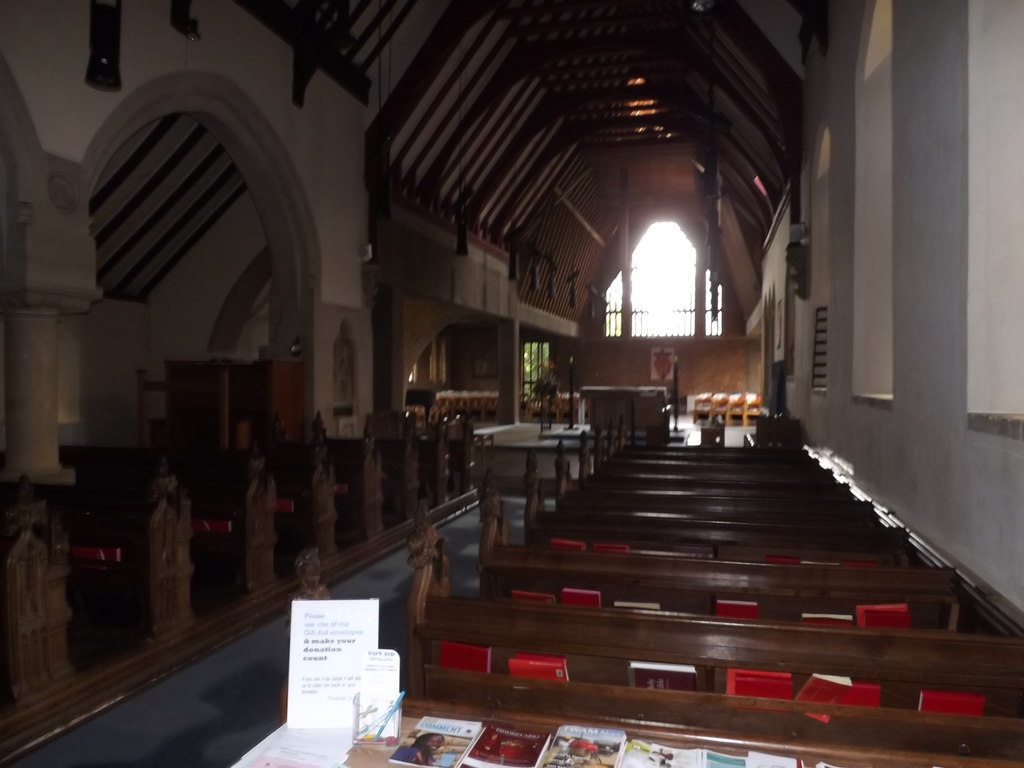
(701, 282)
(509, 365)
(30, 399)
(389, 374)
(626, 264)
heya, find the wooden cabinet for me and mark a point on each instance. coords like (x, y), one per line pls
(227, 404)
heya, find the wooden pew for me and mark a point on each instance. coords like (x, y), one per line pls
(394, 434)
(599, 643)
(687, 468)
(675, 520)
(233, 508)
(702, 535)
(855, 736)
(460, 452)
(306, 509)
(131, 542)
(434, 459)
(232, 504)
(357, 467)
(783, 592)
(841, 512)
(778, 432)
(34, 612)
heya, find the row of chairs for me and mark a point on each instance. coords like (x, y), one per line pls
(731, 409)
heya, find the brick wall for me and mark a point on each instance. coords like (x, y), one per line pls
(705, 365)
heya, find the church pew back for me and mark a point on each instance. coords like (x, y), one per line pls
(883, 738)
(598, 644)
(678, 584)
(139, 544)
(651, 530)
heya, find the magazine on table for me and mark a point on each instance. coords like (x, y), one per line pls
(504, 745)
(584, 746)
(647, 754)
(440, 741)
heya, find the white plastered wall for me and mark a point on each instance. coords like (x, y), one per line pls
(237, 81)
(996, 229)
(958, 488)
(873, 246)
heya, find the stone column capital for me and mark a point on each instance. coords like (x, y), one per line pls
(41, 300)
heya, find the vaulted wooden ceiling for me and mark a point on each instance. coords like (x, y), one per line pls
(543, 123)
(539, 125)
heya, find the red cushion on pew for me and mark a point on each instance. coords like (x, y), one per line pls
(782, 559)
(108, 554)
(536, 597)
(569, 544)
(212, 525)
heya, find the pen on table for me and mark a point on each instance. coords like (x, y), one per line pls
(390, 714)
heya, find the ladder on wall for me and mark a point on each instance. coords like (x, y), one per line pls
(819, 356)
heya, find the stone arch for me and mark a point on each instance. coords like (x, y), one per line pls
(237, 309)
(240, 126)
(425, 325)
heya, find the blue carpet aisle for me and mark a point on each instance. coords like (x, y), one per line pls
(209, 714)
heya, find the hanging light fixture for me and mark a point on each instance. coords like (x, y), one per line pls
(181, 19)
(513, 252)
(461, 235)
(571, 282)
(104, 68)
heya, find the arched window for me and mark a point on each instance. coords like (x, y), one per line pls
(663, 289)
(664, 282)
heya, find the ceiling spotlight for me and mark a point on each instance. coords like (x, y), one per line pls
(702, 6)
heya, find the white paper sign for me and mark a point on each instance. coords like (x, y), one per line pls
(329, 640)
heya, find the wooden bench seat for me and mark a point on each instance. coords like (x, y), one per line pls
(305, 509)
(782, 592)
(697, 507)
(599, 643)
(757, 456)
(231, 497)
(657, 530)
(460, 454)
(854, 736)
(796, 467)
(433, 459)
(357, 466)
(394, 435)
(233, 503)
(138, 544)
